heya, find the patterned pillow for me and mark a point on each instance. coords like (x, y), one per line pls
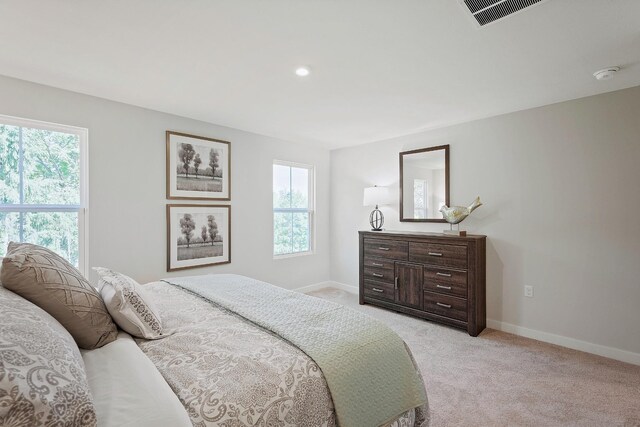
(49, 281)
(124, 298)
(42, 376)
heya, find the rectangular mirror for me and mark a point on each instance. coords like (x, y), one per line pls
(424, 184)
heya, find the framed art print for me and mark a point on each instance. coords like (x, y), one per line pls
(198, 236)
(198, 168)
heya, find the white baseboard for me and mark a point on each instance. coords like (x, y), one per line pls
(328, 284)
(600, 350)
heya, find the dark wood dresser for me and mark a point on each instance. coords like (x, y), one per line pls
(428, 275)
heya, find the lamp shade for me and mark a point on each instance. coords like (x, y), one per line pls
(376, 196)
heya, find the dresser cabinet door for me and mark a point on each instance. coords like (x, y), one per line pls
(409, 285)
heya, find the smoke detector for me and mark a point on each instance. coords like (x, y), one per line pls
(606, 73)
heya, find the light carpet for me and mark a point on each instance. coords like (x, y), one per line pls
(500, 379)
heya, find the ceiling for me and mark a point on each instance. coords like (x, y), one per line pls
(379, 69)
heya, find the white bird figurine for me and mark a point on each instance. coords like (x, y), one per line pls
(456, 214)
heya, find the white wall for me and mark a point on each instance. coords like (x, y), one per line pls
(561, 192)
(127, 202)
(559, 183)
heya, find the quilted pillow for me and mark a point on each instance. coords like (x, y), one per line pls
(125, 300)
(42, 376)
(49, 281)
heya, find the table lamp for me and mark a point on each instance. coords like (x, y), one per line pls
(374, 196)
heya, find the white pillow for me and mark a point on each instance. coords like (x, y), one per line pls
(126, 303)
(128, 390)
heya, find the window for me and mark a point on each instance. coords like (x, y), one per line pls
(419, 198)
(293, 208)
(43, 183)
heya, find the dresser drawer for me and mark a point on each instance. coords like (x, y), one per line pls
(451, 282)
(379, 263)
(454, 256)
(379, 290)
(379, 274)
(390, 249)
(445, 305)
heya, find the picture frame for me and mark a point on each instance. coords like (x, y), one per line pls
(198, 236)
(198, 168)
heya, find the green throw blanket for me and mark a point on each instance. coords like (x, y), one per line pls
(370, 374)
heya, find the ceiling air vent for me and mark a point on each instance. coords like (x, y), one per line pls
(488, 11)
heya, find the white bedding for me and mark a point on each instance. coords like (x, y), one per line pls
(228, 371)
(128, 390)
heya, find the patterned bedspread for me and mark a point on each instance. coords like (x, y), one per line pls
(228, 372)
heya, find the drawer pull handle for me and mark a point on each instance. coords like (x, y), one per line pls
(377, 275)
(443, 305)
(383, 249)
(377, 264)
(435, 254)
(376, 290)
(396, 283)
(443, 274)
(443, 287)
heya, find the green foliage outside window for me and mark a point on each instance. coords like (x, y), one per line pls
(291, 229)
(50, 166)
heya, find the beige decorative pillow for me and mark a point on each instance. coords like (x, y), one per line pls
(124, 298)
(49, 281)
(42, 376)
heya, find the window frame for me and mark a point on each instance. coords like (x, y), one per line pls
(81, 209)
(311, 209)
(425, 209)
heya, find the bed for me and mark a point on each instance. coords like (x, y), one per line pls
(221, 365)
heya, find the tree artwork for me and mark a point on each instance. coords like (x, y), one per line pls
(213, 228)
(204, 233)
(197, 168)
(187, 225)
(186, 154)
(201, 232)
(196, 163)
(214, 158)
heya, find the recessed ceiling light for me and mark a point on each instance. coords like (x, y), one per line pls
(303, 71)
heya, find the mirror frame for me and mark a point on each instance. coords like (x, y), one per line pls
(446, 181)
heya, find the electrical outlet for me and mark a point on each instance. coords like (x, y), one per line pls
(528, 291)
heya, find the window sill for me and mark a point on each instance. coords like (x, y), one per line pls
(293, 255)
